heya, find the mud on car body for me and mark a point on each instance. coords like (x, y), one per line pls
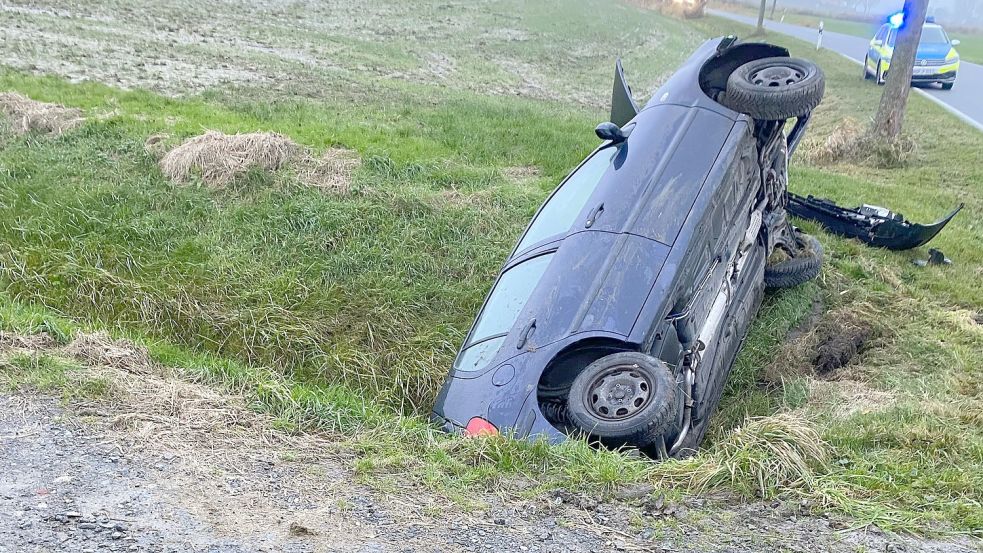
(621, 310)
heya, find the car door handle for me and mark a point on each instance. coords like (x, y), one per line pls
(527, 332)
(594, 214)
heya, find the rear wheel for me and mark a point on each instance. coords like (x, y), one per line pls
(775, 89)
(626, 398)
(802, 264)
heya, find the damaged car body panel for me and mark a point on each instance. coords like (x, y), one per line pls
(872, 225)
(654, 246)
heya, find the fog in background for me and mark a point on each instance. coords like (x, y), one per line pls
(956, 13)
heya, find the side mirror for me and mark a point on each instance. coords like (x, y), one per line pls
(612, 132)
(877, 43)
(956, 42)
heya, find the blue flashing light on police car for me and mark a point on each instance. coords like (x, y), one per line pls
(936, 60)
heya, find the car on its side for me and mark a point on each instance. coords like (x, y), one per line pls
(619, 313)
(936, 60)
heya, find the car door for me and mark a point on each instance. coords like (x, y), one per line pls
(876, 44)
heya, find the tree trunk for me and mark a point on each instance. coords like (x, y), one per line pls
(773, 4)
(894, 100)
(761, 18)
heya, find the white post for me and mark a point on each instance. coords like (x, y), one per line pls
(819, 41)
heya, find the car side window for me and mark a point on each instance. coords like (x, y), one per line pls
(510, 295)
(562, 208)
(892, 37)
(881, 33)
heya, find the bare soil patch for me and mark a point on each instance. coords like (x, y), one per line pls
(840, 347)
(26, 115)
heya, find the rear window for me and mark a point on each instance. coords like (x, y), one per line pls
(500, 311)
(563, 207)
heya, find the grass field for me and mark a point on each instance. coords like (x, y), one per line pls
(342, 311)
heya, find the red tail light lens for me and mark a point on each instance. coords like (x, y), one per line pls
(478, 426)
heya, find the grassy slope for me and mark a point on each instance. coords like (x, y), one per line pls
(371, 291)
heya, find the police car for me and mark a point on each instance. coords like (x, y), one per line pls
(936, 60)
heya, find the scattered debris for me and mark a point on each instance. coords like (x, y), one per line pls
(220, 158)
(27, 115)
(935, 257)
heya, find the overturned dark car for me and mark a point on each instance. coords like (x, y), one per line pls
(620, 312)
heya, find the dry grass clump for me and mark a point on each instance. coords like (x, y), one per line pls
(27, 115)
(333, 171)
(219, 158)
(852, 141)
(521, 173)
(25, 342)
(764, 455)
(99, 348)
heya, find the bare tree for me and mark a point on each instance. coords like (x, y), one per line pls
(761, 18)
(894, 100)
(773, 4)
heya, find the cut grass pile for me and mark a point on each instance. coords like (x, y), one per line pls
(343, 311)
(25, 115)
(218, 158)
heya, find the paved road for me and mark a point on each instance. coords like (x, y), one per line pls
(964, 100)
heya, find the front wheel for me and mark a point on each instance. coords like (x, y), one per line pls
(947, 86)
(800, 266)
(775, 89)
(880, 73)
(626, 398)
(866, 71)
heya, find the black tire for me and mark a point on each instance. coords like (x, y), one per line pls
(947, 86)
(866, 72)
(798, 269)
(775, 89)
(646, 413)
(879, 75)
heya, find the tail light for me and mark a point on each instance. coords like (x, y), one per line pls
(478, 426)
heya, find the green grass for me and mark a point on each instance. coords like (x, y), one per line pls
(342, 312)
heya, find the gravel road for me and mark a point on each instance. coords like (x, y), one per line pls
(97, 477)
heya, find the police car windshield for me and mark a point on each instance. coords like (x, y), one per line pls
(934, 35)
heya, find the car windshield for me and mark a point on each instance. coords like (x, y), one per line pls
(500, 311)
(934, 35)
(562, 208)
